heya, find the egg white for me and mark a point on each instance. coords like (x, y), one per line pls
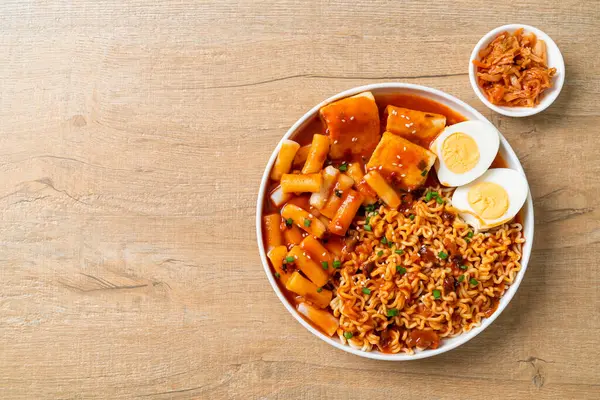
(512, 181)
(487, 138)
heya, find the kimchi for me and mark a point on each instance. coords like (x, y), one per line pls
(513, 69)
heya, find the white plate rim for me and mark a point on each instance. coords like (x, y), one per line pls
(528, 227)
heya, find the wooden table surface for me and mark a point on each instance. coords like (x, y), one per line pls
(133, 136)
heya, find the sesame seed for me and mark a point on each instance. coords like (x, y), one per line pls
(343, 120)
(414, 132)
(380, 167)
(398, 156)
(324, 254)
(403, 175)
(335, 142)
(394, 164)
(352, 118)
(394, 112)
(354, 139)
(404, 150)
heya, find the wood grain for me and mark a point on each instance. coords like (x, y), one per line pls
(133, 136)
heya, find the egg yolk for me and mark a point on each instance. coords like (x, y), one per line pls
(460, 153)
(489, 200)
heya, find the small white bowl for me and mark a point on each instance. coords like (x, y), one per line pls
(505, 151)
(555, 60)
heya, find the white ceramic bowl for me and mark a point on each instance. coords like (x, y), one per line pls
(505, 150)
(555, 60)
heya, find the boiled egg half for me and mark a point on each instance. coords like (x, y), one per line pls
(491, 200)
(465, 151)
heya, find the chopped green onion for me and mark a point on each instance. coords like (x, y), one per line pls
(473, 281)
(399, 251)
(437, 294)
(337, 264)
(470, 234)
(432, 195)
(400, 269)
(392, 312)
(366, 290)
(442, 255)
(424, 172)
(461, 278)
(325, 264)
(370, 207)
(343, 167)
(463, 267)
(289, 222)
(468, 240)
(412, 217)
(348, 335)
(289, 259)
(338, 193)
(368, 228)
(439, 200)
(277, 275)
(379, 253)
(307, 222)
(319, 290)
